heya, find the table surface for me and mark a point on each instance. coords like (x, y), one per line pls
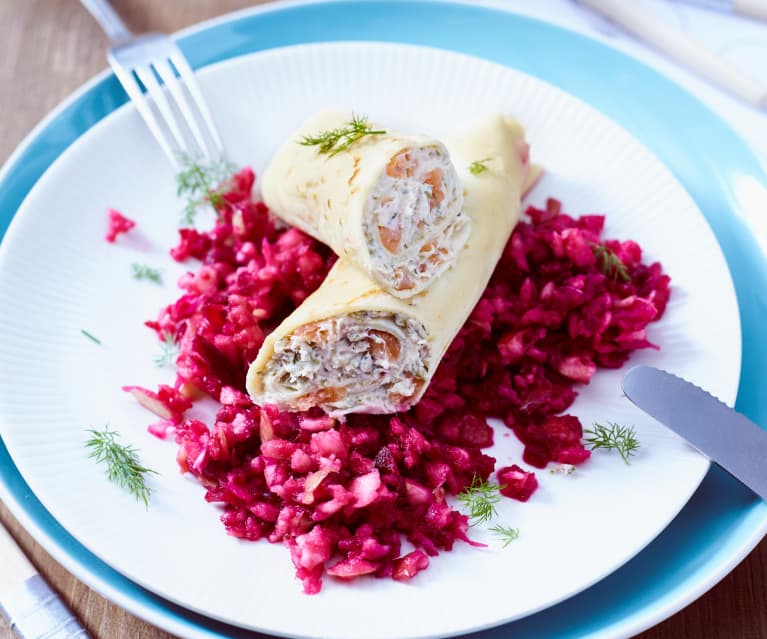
(47, 49)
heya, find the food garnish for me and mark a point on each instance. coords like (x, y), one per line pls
(336, 141)
(506, 534)
(91, 337)
(610, 264)
(480, 499)
(123, 465)
(479, 166)
(169, 350)
(144, 272)
(202, 184)
(613, 437)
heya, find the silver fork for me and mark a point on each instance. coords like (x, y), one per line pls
(178, 117)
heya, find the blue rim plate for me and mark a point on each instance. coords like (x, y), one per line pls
(723, 521)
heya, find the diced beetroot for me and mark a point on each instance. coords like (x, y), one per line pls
(117, 225)
(417, 494)
(278, 449)
(408, 566)
(365, 488)
(353, 567)
(161, 429)
(316, 424)
(516, 482)
(312, 549)
(351, 491)
(167, 402)
(576, 454)
(340, 497)
(327, 443)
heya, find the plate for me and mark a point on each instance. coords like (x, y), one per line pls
(60, 277)
(720, 510)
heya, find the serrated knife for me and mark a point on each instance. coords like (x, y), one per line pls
(722, 434)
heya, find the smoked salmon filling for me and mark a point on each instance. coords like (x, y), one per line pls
(374, 362)
(390, 203)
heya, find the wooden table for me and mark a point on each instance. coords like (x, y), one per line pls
(47, 49)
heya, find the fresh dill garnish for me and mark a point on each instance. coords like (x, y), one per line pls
(168, 352)
(613, 437)
(201, 184)
(144, 272)
(610, 264)
(479, 166)
(123, 465)
(93, 338)
(506, 534)
(337, 140)
(480, 499)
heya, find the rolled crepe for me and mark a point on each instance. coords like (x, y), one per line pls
(351, 347)
(390, 203)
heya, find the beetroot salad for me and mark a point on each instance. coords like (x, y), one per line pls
(344, 495)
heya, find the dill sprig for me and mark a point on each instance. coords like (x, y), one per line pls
(144, 272)
(168, 350)
(506, 534)
(610, 264)
(337, 140)
(93, 338)
(613, 437)
(479, 166)
(123, 465)
(480, 499)
(201, 185)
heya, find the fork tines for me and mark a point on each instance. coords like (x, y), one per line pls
(176, 114)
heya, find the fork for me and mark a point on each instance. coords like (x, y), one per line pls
(177, 116)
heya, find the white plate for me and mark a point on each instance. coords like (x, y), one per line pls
(58, 276)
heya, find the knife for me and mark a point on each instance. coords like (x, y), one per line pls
(682, 48)
(748, 8)
(722, 434)
(31, 607)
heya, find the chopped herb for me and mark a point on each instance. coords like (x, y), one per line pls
(613, 437)
(480, 499)
(337, 140)
(168, 351)
(201, 185)
(479, 166)
(506, 534)
(610, 264)
(123, 465)
(90, 337)
(144, 272)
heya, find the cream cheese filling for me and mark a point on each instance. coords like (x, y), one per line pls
(413, 223)
(370, 359)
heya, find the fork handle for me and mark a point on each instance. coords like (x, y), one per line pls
(106, 16)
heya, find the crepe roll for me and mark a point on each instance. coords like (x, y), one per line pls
(351, 347)
(389, 203)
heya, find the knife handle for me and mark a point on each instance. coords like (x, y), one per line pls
(683, 49)
(35, 611)
(31, 606)
(751, 8)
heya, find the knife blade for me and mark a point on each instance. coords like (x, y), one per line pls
(722, 434)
